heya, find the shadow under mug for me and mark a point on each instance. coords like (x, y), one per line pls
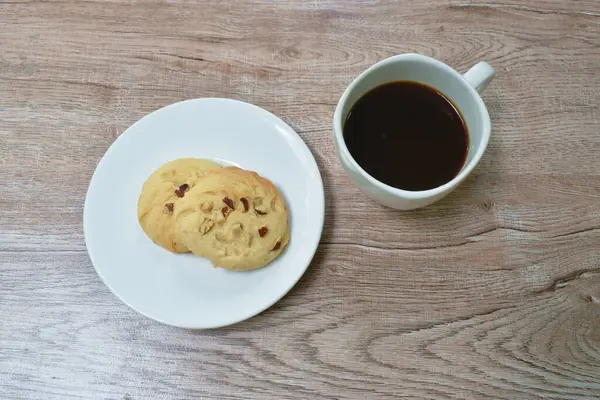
(462, 90)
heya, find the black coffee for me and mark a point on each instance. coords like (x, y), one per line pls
(407, 135)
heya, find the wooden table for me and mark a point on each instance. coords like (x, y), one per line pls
(493, 293)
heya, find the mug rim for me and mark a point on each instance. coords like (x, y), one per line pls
(412, 194)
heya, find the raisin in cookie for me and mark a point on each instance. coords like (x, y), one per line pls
(234, 218)
(160, 196)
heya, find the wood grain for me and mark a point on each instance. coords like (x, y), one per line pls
(493, 293)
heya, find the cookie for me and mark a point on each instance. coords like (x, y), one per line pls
(160, 196)
(234, 218)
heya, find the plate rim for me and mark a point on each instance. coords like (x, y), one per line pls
(269, 303)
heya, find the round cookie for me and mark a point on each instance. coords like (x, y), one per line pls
(234, 218)
(160, 197)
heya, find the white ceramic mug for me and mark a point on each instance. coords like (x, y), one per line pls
(462, 90)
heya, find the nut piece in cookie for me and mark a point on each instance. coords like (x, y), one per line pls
(182, 189)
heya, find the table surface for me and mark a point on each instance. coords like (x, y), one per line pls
(492, 293)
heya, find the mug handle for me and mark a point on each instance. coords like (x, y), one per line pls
(479, 76)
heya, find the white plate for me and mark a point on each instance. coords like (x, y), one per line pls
(181, 289)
